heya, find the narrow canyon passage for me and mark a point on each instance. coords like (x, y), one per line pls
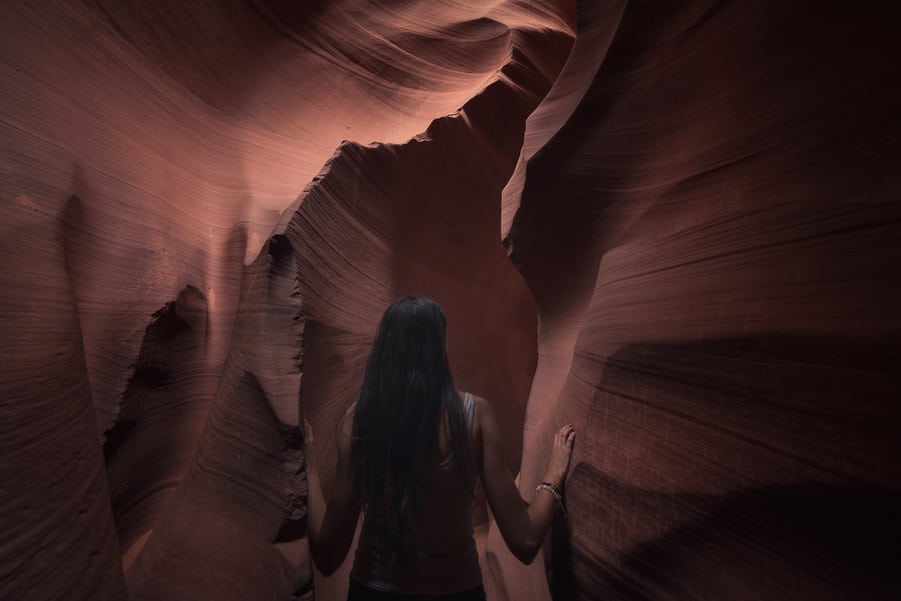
(674, 225)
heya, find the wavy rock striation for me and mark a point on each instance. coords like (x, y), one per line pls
(725, 337)
(674, 226)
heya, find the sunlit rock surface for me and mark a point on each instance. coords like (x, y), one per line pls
(675, 225)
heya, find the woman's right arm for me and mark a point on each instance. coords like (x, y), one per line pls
(522, 527)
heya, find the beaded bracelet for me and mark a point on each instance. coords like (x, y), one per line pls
(554, 490)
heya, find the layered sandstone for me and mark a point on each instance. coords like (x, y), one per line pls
(673, 226)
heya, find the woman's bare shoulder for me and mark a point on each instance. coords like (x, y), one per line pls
(481, 404)
(346, 424)
(483, 412)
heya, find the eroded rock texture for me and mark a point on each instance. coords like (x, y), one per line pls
(675, 225)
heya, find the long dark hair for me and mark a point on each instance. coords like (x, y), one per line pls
(406, 389)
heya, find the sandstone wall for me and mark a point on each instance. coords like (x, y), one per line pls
(675, 225)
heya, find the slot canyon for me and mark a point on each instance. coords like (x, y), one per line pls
(675, 225)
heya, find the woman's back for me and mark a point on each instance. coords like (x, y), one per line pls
(444, 558)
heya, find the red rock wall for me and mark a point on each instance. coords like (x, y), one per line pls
(726, 338)
(674, 225)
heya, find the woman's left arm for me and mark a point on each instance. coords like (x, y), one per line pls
(331, 526)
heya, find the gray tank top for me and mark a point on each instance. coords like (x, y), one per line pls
(468, 412)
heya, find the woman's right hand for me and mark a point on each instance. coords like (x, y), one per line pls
(561, 455)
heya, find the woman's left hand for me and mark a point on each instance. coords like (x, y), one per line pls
(308, 448)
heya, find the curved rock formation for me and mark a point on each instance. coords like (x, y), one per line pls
(673, 225)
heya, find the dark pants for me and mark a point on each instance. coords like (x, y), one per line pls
(358, 592)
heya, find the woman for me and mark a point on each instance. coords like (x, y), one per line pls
(409, 453)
